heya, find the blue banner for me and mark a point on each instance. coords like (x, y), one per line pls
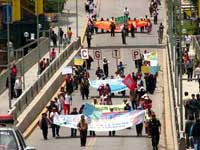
(116, 85)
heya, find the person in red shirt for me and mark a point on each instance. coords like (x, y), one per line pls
(14, 70)
(52, 54)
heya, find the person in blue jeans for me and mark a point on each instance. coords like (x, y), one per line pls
(196, 134)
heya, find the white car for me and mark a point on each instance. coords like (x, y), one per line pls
(11, 138)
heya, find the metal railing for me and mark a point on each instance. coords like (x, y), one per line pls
(195, 45)
(25, 63)
(30, 93)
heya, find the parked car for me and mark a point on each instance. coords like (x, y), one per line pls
(10, 137)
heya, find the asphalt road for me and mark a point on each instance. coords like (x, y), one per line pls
(125, 139)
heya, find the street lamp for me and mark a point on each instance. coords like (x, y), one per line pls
(9, 46)
(76, 18)
(39, 26)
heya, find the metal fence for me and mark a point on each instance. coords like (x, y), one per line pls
(29, 94)
(195, 45)
(25, 63)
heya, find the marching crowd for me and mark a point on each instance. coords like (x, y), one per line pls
(125, 29)
(138, 99)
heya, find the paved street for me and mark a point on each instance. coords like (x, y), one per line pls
(67, 19)
(125, 139)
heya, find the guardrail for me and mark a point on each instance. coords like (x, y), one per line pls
(26, 62)
(195, 45)
(29, 94)
(172, 89)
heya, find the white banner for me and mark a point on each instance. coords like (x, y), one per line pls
(107, 122)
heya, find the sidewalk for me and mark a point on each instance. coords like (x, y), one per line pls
(66, 19)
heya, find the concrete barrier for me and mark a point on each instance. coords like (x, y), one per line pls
(35, 104)
(25, 63)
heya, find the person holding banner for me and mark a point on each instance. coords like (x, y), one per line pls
(73, 130)
(111, 133)
(82, 127)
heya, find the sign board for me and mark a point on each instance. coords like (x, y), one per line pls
(121, 20)
(116, 53)
(97, 54)
(84, 54)
(136, 54)
(67, 70)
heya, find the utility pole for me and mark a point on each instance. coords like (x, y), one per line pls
(76, 18)
(38, 37)
(8, 54)
(59, 38)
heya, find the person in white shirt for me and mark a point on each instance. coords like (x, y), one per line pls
(18, 86)
(55, 127)
(188, 40)
(126, 12)
(67, 103)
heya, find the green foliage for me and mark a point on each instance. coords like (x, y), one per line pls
(191, 27)
(51, 6)
(194, 2)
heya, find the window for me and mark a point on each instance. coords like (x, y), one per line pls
(7, 140)
(20, 139)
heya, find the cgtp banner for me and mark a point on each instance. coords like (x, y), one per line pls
(107, 122)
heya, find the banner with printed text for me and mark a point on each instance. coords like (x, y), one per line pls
(107, 122)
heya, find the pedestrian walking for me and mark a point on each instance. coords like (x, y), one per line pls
(61, 33)
(44, 124)
(139, 127)
(89, 38)
(189, 67)
(82, 127)
(112, 28)
(84, 88)
(123, 34)
(73, 130)
(69, 35)
(52, 54)
(188, 40)
(132, 30)
(55, 127)
(196, 134)
(105, 67)
(188, 126)
(18, 86)
(155, 17)
(126, 12)
(67, 103)
(155, 130)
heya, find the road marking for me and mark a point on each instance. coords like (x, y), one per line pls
(91, 144)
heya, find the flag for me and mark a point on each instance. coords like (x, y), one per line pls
(129, 82)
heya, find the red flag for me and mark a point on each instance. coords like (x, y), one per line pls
(129, 82)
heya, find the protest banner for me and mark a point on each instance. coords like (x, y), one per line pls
(105, 123)
(116, 85)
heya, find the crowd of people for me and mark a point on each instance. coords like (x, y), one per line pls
(63, 38)
(138, 100)
(191, 67)
(125, 29)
